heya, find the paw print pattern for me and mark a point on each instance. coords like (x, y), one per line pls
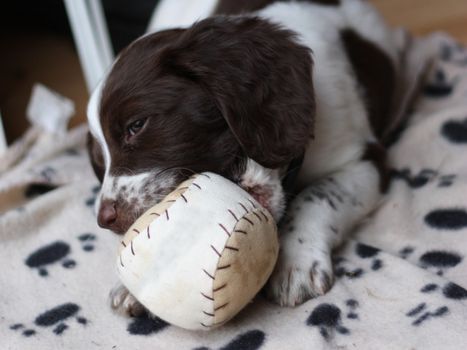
(92, 199)
(405, 252)
(146, 325)
(422, 178)
(37, 189)
(446, 180)
(50, 254)
(440, 86)
(58, 252)
(455, 131)
(353, 305)
(454, 53)
(250, 340)
(328, 318)
(450, 290)
(439, 260)
(87, 240)
(340, 270)
(365, 252)
(48, 173)
(72, 152)
(55, 317)
(421, 314)
(447, 219)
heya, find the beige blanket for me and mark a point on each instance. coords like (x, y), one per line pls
(400, 282)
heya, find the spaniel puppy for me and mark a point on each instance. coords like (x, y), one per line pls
(288, 100)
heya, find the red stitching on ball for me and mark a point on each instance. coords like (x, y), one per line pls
(121, 262)
(265, 216)
(231, 212)
(208, 313)
(221, 307)
(225, 230)
(155, 214)
(231, 248)
(149, 236)
(259, 217)
(241, 231)
(223, 267)
(252, 203)
(219, 288)
(251, 222)
(206, 175)
(246, 210)
(204, 295)
(197, 185)
(207, 273)
(135, 230)
(131, 246)
(219, 254)
(167, 214)
(123, 244)
(184, 198)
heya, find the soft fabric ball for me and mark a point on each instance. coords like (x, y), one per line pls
(199, 256)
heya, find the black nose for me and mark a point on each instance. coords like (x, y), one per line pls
(107, 216)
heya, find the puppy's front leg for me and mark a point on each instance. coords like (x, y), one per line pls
(124, 303)
(317, 221)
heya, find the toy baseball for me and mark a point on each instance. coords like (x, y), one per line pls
(199, 256)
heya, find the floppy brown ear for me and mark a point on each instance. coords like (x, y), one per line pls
(260, 79)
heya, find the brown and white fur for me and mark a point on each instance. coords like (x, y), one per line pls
(243, 95)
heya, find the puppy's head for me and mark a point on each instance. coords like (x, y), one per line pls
(229, 95)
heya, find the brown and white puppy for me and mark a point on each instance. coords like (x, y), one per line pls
(246, 96)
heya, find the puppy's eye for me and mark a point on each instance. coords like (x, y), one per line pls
(135, 127)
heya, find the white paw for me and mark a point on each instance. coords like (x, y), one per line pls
(300, 277)
(124, 303)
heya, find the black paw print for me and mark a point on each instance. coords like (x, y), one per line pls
(328, 317)
(454, 53)
(353, 305)
(250, 340)
(421, 314)
(449, 290)
(72, 152)
(37, 189)
(343, 269)
(414, 181)
(57, 252)
(50, 254)
(92, 199)
(340, 270)
(439, 86)
(447, 219)
(87, 241)
(146, 325)
(54, 317)
(455, 131)
(48, 173)
(405, 252)
(365, 252)
(422, 178)
(439, 260)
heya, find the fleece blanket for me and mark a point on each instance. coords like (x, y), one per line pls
(400, 282)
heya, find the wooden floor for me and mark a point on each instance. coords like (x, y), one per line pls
(425, 16)
(54, 62)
